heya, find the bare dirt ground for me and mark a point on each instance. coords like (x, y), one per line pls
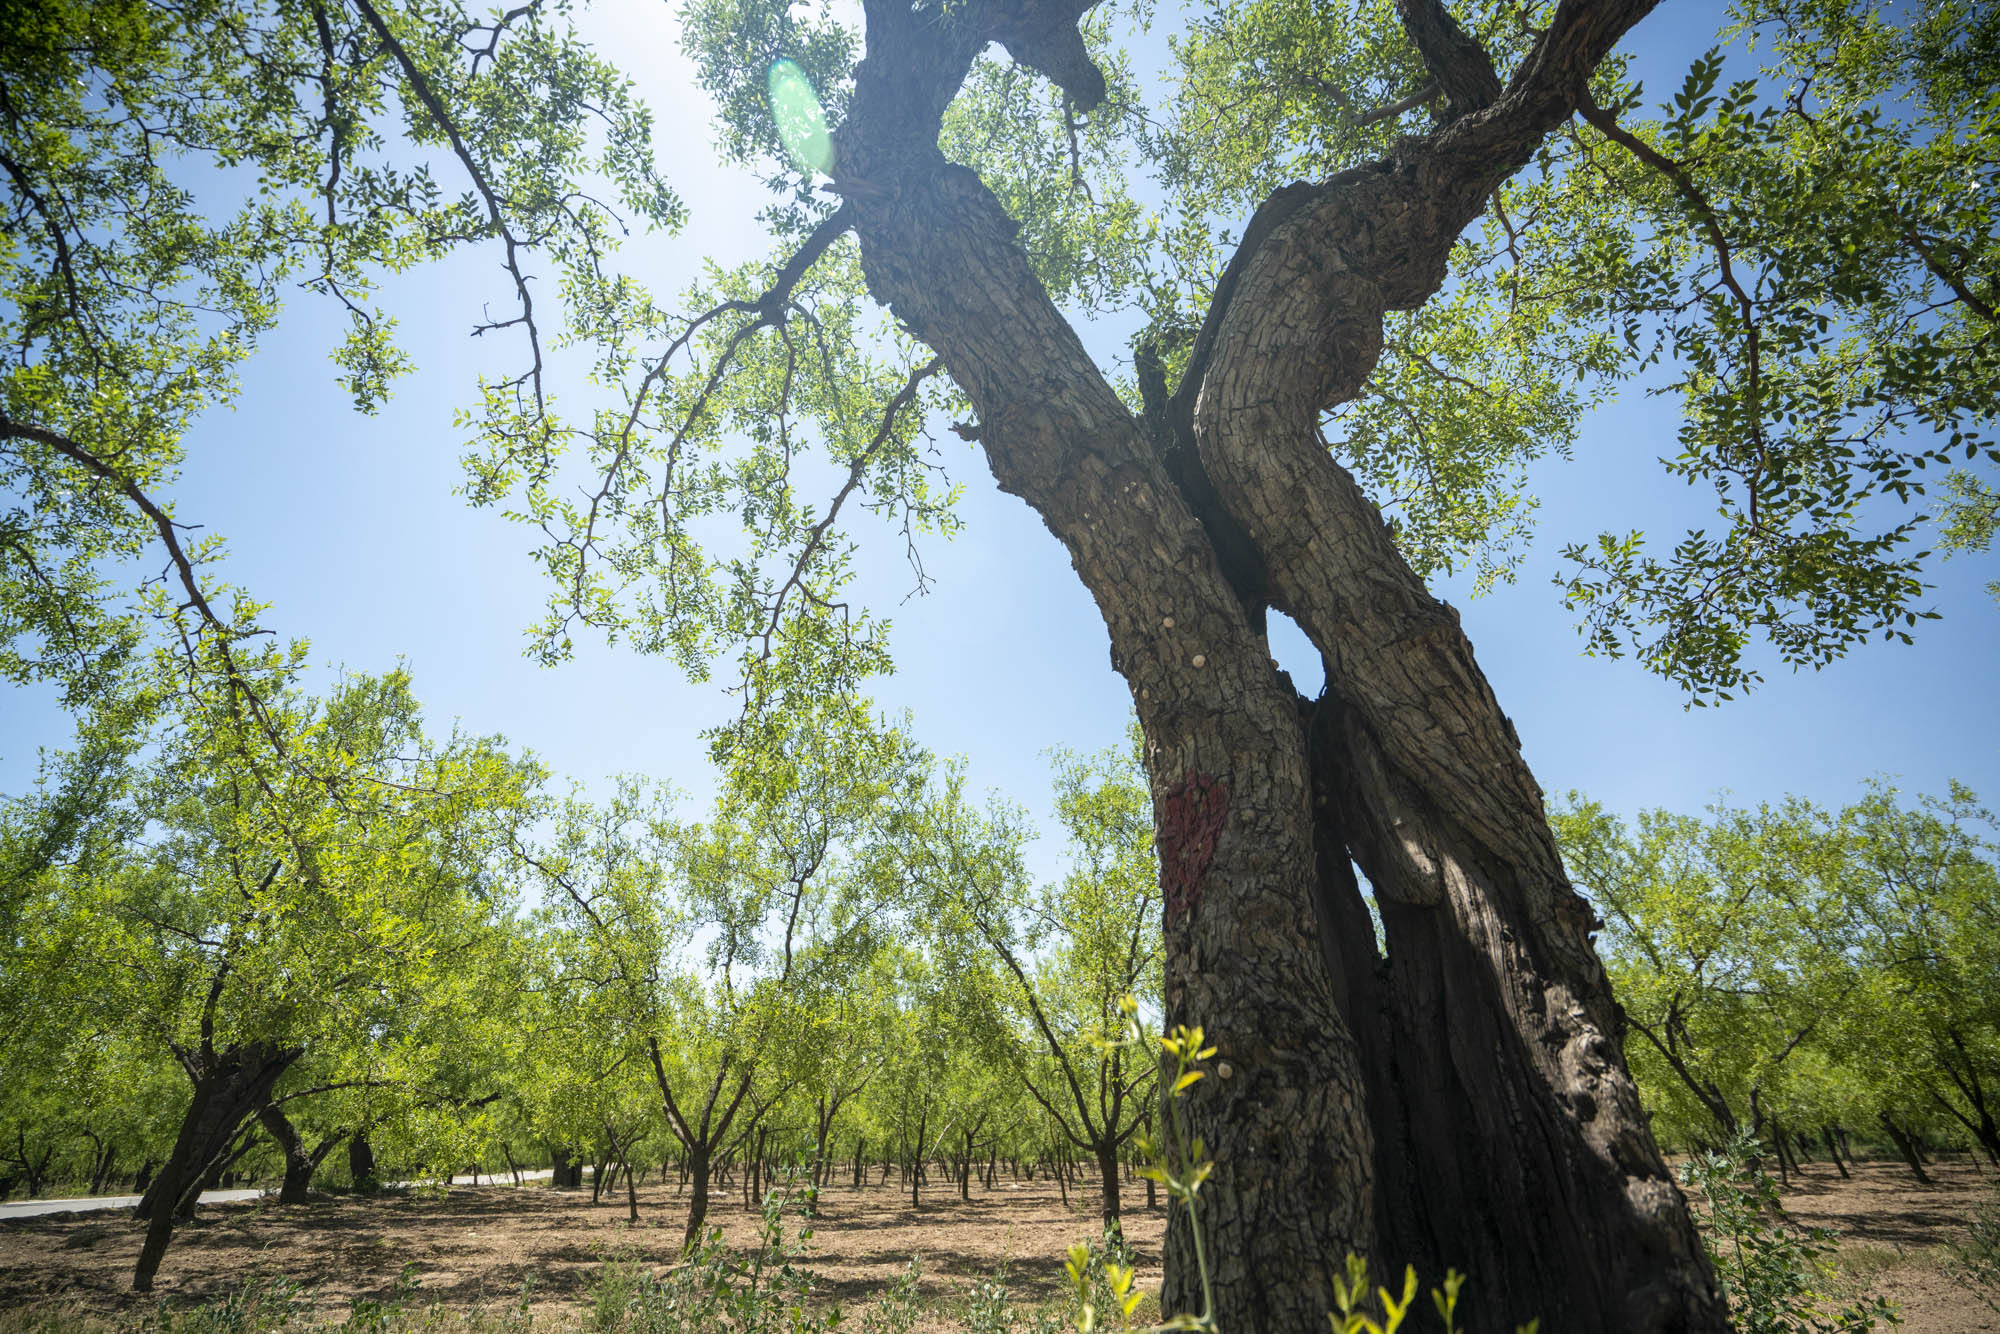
(1892, 1230)
(476, 1247)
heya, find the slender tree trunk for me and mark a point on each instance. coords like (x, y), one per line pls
(32, 1169)
(823, 1132)
(697, 1196)
(1107, 1168)
(1905, 1145)
(1833, 1151)
(102, 1170)
(597, 1170)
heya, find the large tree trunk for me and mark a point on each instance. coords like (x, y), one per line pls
(1463, 1101)
(564, 1174)
(227, 1092)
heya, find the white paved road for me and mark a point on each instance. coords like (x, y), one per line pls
(35, 1208)
(31, 1208)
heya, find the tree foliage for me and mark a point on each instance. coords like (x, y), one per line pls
(1824, 966)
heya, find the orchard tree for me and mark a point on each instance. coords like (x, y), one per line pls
(1927, 885)
(948, 1076)
(1460, 1098)
(1812, 254)
(848, 1047)
(706, 953)
(1069, 954)
(1826, 966)
(302, 865)
(623, 1003)
(1732, 943)
(65, 1071)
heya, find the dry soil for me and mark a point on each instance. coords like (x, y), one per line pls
(477, 1246)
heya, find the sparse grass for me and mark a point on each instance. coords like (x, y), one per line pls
(1861, 1263)
(64, 1317)
(1974, 1262)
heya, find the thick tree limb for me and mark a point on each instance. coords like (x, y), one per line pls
(1454, 57)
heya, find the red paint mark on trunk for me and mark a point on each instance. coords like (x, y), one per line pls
(1190, 823)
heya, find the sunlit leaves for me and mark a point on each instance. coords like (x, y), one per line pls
(1471, 389)
(1832, 350)
(320, 879)
(1065, 177)
(738, 47)
(727, 477)
(1811, 258)
(1824, 965)
(172, 174)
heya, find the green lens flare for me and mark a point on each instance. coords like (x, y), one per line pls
(801, 122)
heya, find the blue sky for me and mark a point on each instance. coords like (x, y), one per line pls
(348, 525)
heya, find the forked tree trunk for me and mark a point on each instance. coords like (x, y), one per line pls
(300, 1162)
(103, 1164)
(227, 1092)
(1464, 1101)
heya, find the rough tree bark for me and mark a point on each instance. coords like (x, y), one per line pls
(229, 1086)
(300, 1162)
(1463, 1101)
(361, 1168)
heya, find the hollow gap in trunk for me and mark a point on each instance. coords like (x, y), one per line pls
(1293, 653)
(1368, 901)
